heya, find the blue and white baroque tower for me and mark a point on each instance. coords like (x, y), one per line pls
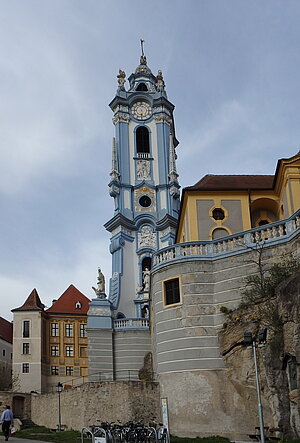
(144, 185)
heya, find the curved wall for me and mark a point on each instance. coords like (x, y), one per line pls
(192, 375)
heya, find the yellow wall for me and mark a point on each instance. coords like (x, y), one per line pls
(79, 361)
(257, 206)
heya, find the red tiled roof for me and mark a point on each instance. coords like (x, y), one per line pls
(6, 330)
(233, 182)
(32, 303)
(66, 304)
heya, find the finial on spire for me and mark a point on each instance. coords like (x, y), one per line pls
(143, 59)
(142, 47)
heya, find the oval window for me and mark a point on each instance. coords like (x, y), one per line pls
(145, 201)
(218, 214)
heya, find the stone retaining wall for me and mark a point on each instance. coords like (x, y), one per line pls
(106, 401)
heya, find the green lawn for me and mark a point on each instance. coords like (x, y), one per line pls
(44, 434)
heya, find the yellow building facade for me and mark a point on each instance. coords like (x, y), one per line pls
(221, 205)
(50, 346)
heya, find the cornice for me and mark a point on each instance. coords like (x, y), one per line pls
(167, 221)
(119, 220)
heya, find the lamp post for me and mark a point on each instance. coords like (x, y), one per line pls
(59, 388)
(249, 340)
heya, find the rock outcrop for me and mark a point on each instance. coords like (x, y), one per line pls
(278, 359)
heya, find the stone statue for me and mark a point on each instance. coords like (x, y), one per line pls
(160, 81)
(100, 290)
(146, 280)
(121, 78)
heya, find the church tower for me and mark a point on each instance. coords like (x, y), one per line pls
(144, 185)
(145, 189)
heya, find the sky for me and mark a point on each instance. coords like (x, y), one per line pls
(231, 68)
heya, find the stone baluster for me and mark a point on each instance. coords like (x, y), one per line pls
(178, 250)
(257, 236)
(274, 232)
(281, 230)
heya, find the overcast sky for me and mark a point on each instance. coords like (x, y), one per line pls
(231, 68)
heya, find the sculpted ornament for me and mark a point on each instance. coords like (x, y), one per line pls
(142, 170)
(100, 290)
(121, 78)
(146, 237)
(162, 118)
(120, 117)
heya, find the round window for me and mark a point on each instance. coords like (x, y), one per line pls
(145, 201)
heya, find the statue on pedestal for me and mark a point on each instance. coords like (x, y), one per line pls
(146, 280)
(100, 290)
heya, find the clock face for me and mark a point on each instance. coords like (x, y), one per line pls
(141, 110)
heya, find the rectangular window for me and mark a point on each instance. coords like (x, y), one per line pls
(26, 328)
(172, 293)
(69, 351)
(3, 352)
(54, 330)
(55, 351)
(69, 330)
(25, 348)
(83, 330)
(83, 351)
(54, 370)
(25, 368)
(69, 370)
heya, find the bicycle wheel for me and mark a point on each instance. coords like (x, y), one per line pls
(151, 436)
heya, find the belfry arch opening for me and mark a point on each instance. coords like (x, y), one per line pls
(142, 87)
(142, 140)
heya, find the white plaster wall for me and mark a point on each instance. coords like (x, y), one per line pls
(32, 380)
(129, 279)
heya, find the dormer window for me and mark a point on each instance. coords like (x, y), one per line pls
(142, 87)
(78, 305)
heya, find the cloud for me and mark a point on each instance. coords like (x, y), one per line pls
(53, 277)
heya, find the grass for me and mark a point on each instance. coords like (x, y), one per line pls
(213, 439)
(44, 434)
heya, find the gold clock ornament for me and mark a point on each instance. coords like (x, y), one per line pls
(141, 110)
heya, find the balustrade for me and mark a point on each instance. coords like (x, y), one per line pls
(266, 234)
(127, 323)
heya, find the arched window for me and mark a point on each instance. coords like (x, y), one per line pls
(219, 233)
(142, 87)
(142, 140)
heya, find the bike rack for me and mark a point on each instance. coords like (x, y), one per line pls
(94, 434)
